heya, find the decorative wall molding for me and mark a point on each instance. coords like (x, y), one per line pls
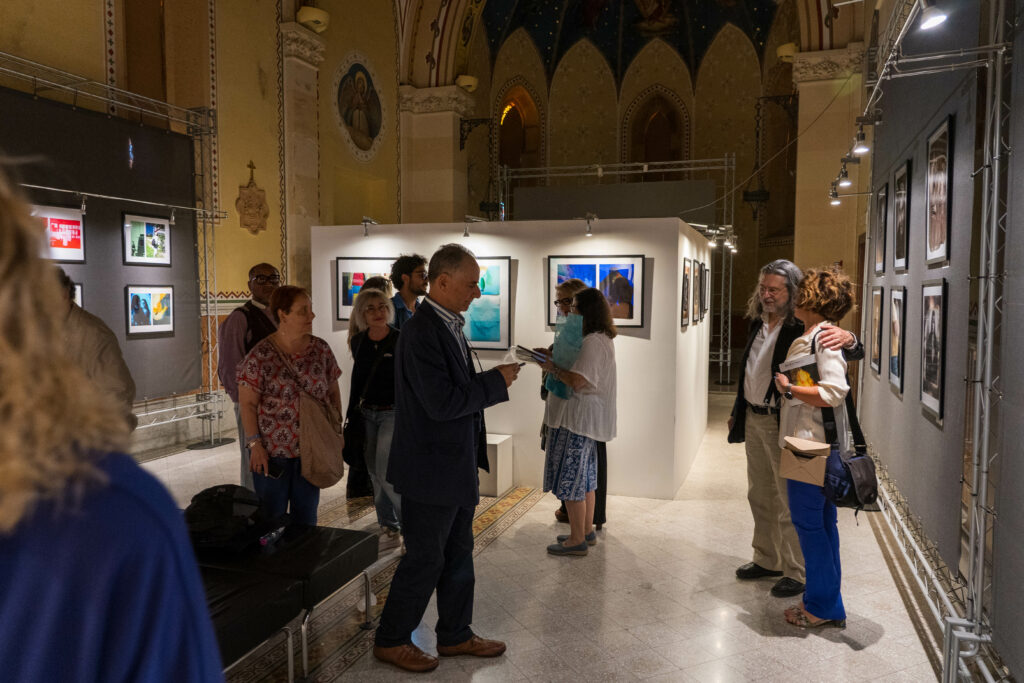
(828, 65)
(445, 98)
(300, 42)
(110, 47)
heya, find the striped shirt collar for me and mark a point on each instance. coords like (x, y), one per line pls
(454, 322)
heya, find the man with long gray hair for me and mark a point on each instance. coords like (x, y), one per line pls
(755, 422)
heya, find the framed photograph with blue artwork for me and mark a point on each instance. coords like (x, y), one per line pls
(352, 273)
(620, 279)
(149, 310)
(488, 319)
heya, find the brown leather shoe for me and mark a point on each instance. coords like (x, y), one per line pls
(408, 657)
(476, 646)
(562, 516)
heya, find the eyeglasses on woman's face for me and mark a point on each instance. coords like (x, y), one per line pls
(564, 302)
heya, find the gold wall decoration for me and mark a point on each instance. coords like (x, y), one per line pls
(251, 204)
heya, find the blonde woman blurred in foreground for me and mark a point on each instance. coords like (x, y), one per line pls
(97, 577)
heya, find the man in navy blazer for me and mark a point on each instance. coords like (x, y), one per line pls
(440, 399)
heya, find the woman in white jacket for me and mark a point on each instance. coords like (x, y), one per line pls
(823, 296)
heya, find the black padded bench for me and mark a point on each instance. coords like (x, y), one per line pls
(314, 562)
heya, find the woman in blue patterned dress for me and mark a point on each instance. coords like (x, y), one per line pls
(577, 424)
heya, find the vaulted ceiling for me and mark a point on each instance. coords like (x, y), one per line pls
(621, 28)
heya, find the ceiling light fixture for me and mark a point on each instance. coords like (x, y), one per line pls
(860, 147)
(931, 15)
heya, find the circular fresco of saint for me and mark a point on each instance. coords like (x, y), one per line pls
(359, 106)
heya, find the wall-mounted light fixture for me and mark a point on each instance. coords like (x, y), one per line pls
(844, 177)
(83, 204)
(367, 222)
(590, 218)
(471, 219)
(931, 15)
(860, 145)
(171, 219)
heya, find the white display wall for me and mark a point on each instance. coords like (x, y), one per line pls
(662, 368)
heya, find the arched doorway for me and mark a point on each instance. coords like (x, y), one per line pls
(519, 137)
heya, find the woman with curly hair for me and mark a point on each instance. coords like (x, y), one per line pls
(823, 296)
(97, 577)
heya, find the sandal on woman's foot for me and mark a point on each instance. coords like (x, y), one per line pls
(793, 611)
(803, 620)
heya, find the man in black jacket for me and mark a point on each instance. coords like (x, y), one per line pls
(755, 422)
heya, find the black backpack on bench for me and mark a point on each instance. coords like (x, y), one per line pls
(227, 518)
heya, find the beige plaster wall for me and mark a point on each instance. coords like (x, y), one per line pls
(728, 85)
(825, 233)
(64, 34)
(247, 122)
(478, 145)
(584, 109)
(351, 188)
(658, 64)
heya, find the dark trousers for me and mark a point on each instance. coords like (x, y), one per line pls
(815, 520)
(438, 555)
(290, 493)
(602, 484)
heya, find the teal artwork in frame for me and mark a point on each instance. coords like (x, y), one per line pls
(488, 319)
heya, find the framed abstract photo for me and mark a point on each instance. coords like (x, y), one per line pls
(149, 309)
(695, 304)
(901, 217)
(881, 214)
(897, 336)
(933, 348)
(875, 330)
(65, 233)
(684, 297)
(488, 318)
(938, 182)
(352, 273)
(620, 279)
(146, 240)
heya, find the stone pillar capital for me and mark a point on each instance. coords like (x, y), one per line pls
(445, 98)
(826, 65)
(302, 43)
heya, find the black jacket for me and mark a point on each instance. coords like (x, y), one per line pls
(787, 335)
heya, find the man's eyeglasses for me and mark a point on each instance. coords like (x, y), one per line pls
(266, 279)
(563, 302)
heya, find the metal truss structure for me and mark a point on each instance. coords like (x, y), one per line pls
(200, 125)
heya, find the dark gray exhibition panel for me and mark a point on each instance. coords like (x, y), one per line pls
(925, 458)
(1008, 551)
(619, 200)
(62, 147)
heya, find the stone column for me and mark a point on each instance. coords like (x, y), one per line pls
(303, 53)
(825, 233)
(433, 167)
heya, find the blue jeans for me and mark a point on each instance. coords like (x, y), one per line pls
(380, 427)
(290, 493)
(438, 555)
(815, 520)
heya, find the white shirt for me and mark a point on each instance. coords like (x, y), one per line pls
(757, 376)
(804, 421)
(591, 410)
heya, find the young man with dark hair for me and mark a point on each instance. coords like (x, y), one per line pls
(409, 275)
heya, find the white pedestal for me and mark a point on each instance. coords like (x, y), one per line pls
(499, 457)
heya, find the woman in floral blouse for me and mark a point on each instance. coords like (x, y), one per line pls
(269, 382)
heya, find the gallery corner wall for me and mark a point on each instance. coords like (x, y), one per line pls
(662, 373)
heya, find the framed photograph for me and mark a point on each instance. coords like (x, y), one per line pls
(901, 217)
(695, 304)
(938, 181)
(897, 336)
(933, 347)
(79, 297)
(488, 318)
(707, 290)
(620, 279)
(352, 273)
(880, 218)
(146, 240)
(703, 288)
(875, 330)
(684, 307)
(65, 233)
(149, 309)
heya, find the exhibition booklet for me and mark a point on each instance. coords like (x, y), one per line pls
(525, 354)
(802, 371)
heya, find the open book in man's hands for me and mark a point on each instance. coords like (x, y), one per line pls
(802, 370)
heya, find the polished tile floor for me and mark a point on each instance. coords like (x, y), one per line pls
(656, 599)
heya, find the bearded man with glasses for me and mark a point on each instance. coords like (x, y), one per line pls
(755, 422)
(244, 328)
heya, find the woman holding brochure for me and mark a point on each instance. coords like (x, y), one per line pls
(824, 296)
(580, 418)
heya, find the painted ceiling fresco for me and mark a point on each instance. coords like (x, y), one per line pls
(621, 28)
